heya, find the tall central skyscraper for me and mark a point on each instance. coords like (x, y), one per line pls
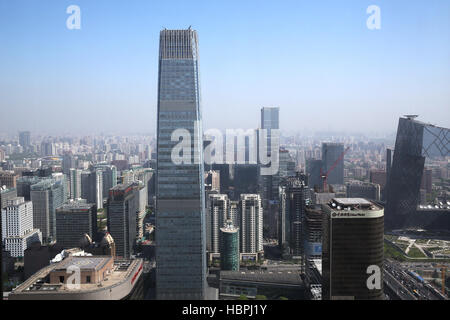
(180, 202)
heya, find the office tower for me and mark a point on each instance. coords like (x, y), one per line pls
(109, 177)
(294, 197)
(73, 220)
(24, 186)
(139, 206)
(245, 179)
(121, 218)
(378, 177)
(17, 226)
(47, 195)
(331, 152)
(25, 139)
(388, 163)
(229, 247)
(217, 212)
(370, 191)
(48, 149)
(180, 202)
(75, 183)
(8, 179)
(312, 253)
(251, 226)
(268, 184)
(353, 244)
(6, 194)
(68, 162)
(415, 142)
(313, 167)
(427, 180)
(92, 187)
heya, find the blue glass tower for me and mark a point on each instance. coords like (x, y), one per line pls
(180, 203)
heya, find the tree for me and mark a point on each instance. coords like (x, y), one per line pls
(243, 297)
(260, 297)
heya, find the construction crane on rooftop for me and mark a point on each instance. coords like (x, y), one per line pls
(324, 176)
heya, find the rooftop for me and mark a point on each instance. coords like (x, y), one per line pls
(84, 263)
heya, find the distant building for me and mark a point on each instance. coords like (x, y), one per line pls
(353, 245)
(25, 139)
(17, 226)
(8, 179)
(378, 177)
(46, 195)
(313, 171)
(369, 191)
(5, 195)
(73, 220)
(24, 186)
(75, 183)
(92, 187)
(330, 154)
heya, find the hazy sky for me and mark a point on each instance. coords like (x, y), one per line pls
(316, 60)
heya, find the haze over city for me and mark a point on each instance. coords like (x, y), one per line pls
(319, 64)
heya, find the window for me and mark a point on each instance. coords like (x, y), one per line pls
(61, 279)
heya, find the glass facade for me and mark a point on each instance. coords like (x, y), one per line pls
(180, 202)
(330, 153)
(415, 142)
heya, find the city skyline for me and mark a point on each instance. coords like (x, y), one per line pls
(331, 65)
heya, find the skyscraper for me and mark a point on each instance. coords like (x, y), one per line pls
(352, 248)
(180, 202)
(24, 139)
(330, 153)
(218, 212)
(46, 195)
(294, 197)
(415, 142)
(121, 218)
(251, 224)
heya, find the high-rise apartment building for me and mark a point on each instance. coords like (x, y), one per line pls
(217, 210)
(180, 203)
(251, 226)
